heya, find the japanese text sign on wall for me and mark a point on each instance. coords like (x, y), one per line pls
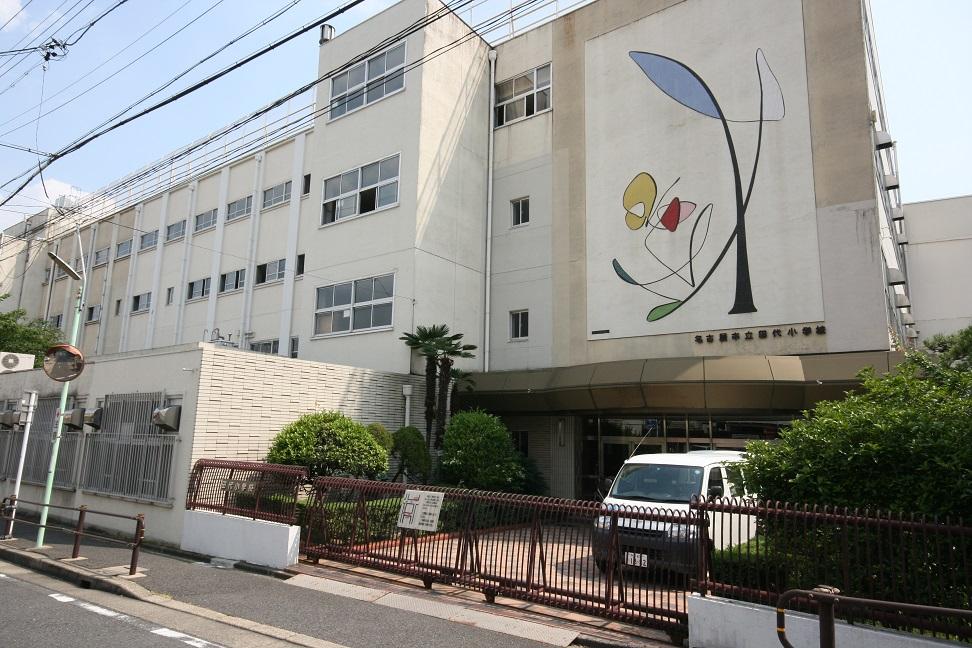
(420, 510)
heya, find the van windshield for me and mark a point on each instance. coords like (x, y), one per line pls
(658, 483)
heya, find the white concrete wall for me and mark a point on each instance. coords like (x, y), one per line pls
(259, 542)
(721, 623)
(939, 252)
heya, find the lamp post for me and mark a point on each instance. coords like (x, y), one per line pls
(59, 424)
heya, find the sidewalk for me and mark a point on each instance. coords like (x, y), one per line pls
(339, 603)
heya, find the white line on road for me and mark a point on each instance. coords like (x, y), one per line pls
(63, 598)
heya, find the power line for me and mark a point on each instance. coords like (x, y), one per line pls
(40, 27)
(196, 86)
(68, 42)
(487, 25)
(19, 11)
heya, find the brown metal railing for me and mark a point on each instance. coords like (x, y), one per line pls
(255, 490)
(8, 510)
(625, 563)
(758, 550)
(827, 599)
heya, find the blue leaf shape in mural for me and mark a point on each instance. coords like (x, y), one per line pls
(678, 82)
(622, 273)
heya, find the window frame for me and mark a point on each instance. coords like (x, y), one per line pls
(525, 96)
(168, 231)
(354, 304)
(279, 273)
(95, 263)
(247, 209)
(269, 343)
(203, 291)
(359, 190)
(286, 196)
(239, 281)
(196, 227)
(138, 299)
(518, 203)
(128, 253)
(361, 89)
(142, 246)
(95, 310)
(56, 320)
(517, 327)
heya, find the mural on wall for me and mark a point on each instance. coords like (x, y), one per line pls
(673, 280)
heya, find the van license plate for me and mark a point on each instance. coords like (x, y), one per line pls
(635, 559)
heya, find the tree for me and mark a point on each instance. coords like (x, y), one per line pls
(21, 335)
(381, 434)
(449, 349)
(413, 455)
(954, 350)
(460, 380)
(426, 340)
(328, 443)
(478, 453)
(904, 443)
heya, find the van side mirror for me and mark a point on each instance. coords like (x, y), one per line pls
(715, 490)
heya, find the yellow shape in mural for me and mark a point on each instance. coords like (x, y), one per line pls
(640, 191)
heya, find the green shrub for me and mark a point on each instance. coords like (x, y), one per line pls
(534, 483)
(478, 453)
(381, 434)
(903, 443)
(413, 454)
(329, 443)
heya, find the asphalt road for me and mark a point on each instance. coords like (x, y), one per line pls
(34, 615)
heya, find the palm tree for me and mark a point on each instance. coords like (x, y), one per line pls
(427, 340)
(450, 348)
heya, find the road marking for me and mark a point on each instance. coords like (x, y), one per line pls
(61, 597)
(90, 607)
(184, 638)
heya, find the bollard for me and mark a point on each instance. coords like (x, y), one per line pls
(78, 531)
(139, 534)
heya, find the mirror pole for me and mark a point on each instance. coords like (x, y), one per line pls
(59, 423)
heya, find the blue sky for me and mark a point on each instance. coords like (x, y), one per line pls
(923, 49)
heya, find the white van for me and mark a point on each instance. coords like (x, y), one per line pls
(670, 482)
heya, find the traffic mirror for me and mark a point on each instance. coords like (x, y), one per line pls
(63, 362)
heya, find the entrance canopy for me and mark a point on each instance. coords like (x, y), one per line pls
(724, 383)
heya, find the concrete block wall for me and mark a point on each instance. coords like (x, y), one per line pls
(245, 399)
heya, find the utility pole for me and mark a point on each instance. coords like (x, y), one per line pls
(62, 406)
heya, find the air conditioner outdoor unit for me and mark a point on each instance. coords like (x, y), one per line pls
(15, 362)
(74, 418)
(92, 418)
(167, 418)
(9, 418)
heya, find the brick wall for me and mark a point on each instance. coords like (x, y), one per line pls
(245, 398)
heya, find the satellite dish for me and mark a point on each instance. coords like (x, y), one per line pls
(63, 362)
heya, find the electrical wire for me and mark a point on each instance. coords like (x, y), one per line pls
(103, 197)
(40, 26)
(68, 41)
(19, 11)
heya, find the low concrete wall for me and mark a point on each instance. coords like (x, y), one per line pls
(721, 623)
(227, 536)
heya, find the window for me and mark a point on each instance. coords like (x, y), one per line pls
(239, 208)
(231, 280)
(716, 488)
(141, 303)
(276, 195)
(56, 320)
(270, 271)
(305, 189)
(148, 240)
(206, 220)
(169, 295)
(519, 325)
(521, 211)
(368, 82)
(523, 96)
(197, 289)
(521, 441)
(294, 344)
(360, 191)
(123, 249)
(266, 346)
(100, 257)
(47, 275)
(300, 265)
(92, 313)
(355, 305)
(59, 272)
(117, 307)
(175, 231)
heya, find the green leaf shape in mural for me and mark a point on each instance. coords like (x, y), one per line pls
(659, 312)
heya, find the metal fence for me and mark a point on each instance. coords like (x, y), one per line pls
(129, 457)
(626, 564)
(255, 490)
(37, 457)
(758, 550)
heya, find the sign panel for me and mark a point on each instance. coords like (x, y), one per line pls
(420, 510)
